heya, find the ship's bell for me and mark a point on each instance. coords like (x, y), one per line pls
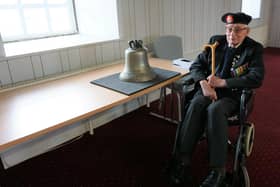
(136, 67)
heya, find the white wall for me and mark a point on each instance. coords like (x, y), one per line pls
(194, 20)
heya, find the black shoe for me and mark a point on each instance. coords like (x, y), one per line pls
(181, 175)
(178, 173)
(214, 179)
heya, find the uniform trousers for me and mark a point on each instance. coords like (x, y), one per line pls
(203, 115)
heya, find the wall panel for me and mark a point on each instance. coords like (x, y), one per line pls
(188, 31)
(87, 55)
(179, 17)
(167, 17)
(98, 54)
(5, 77)
(37, 66)
(132, 20)
(116, 50)
(21, 69)
(64, 57)
(124, 19)
(108, 52)
(140, 19)
(155, 18)
(74, 58)
(51, 63)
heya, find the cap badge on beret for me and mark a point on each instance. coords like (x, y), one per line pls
(229, 19)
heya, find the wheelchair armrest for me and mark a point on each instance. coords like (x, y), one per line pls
(187, 79)
(184, 85)
(246, 103)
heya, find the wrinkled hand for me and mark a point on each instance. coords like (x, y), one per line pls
(207, 90)
(216, 82)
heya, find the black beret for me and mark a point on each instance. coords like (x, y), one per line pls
(239, 17)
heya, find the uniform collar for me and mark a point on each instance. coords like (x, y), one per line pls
(236, 45)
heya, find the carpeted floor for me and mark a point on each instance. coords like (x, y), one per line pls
(264, 164)
(131, 150)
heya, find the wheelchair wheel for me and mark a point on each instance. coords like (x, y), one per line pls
(244, 180)
(238, 179)
(249, 138)
(241, 179)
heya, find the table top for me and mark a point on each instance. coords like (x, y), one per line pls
(31, 111)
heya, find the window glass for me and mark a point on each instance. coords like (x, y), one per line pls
(32, 2)
(252, 7)
(31, 19)
(57, 1)
(36, 21)
(10, 27)
(5, 2)
(62, 24)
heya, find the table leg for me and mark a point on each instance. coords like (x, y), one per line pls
(91, 126)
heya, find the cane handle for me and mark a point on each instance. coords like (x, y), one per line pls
(212, 47)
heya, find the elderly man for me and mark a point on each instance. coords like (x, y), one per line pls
(239, 64)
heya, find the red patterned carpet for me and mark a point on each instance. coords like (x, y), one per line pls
(130, 151)
(264, 163)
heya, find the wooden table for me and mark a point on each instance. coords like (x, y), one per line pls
(30, 112)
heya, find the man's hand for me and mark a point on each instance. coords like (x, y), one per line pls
(216, 82)
(207, 90)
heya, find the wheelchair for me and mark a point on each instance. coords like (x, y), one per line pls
(242, 147)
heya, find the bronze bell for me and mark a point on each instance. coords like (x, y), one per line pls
(136, 68)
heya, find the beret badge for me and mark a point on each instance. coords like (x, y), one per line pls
(229, 19)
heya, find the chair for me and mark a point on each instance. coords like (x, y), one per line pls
(242, 147)
(170, 47)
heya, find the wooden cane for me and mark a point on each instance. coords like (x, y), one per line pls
(212, 47)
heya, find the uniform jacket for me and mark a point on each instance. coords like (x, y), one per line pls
(247, 69)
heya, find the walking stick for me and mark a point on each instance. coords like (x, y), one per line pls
(212, 47)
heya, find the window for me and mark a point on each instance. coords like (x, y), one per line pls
(96, 21)
(252, 7)
(31, 19)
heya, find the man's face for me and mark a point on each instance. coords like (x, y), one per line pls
(236, 33)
